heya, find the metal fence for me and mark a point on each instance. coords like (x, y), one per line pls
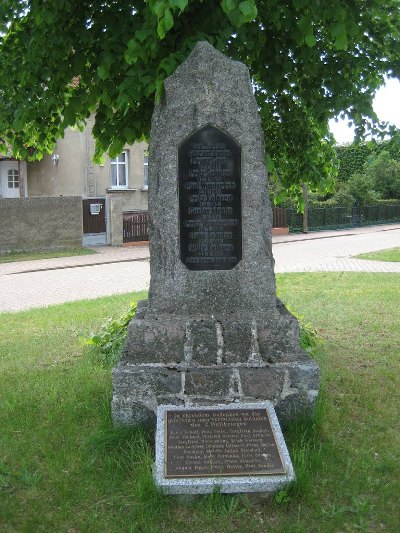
(320, 218)
(135, 226)
(136, 223)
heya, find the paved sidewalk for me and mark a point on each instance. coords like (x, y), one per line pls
(333, 251)
(28, 284)
(105, 254)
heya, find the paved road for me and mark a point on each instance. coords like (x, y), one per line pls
(28, 284)
(332, 251)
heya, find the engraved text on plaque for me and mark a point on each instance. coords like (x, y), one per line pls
(219, 442)
(209, 175)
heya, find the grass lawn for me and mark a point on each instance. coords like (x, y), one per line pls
(64, 469)
(391, 254)
(48, 254)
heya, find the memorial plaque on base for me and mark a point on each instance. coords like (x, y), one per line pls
(237, 447)
(214, 442)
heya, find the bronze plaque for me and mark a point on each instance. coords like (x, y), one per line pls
(220, 442)
(209, 178)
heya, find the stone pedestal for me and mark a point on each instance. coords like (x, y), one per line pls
(207, 361)
(212, 330)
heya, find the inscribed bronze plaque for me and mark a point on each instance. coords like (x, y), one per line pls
(209, 177)
(220, 442)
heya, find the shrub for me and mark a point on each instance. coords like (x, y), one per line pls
(384, 173)
(107, 344)
(361, 187)
(343, 197)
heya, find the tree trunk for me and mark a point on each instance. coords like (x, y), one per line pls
(305, 214)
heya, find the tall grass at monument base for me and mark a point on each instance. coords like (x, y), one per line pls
(64, 468)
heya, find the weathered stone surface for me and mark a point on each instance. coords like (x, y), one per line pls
(131, 412)
(208, 88)
(266, 382)
(145, 380)
(208, 382)
(204, 402)
(295, 405)
(205, 346)
(141, 307)
(155, 341)
(304, 374)
(278, 339)
(170, 400)
(237, 341)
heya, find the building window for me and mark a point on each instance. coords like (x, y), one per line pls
(119, 171)
(146, 169)
(13, 179)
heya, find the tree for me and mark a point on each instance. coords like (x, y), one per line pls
(361, 187)
(309, 60)
(385, 175)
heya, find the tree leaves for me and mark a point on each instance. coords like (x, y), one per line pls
(310, 40)
(239, 12)
(309, 60)
(102, 71)
(133, 52)
(341, 42)
(164, 9)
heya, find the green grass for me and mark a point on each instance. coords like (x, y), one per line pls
(63, 467)
(48, 254)
(391, 254)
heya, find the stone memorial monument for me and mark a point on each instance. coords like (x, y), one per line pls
(212, 330)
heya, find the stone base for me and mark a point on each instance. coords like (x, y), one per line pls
(208, 361)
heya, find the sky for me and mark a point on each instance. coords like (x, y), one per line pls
(386, 106)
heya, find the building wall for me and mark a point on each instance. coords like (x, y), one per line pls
(134, 198)
(40, 223)
(68, 176)
(75, 174)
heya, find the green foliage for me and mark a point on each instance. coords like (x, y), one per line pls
(310, 340)
(354, 157)
(385, 175)
(368, 173)
(106, 345)
(343, 196)
(384, 201)
(361, 187)
(282, 497)
(61, 61)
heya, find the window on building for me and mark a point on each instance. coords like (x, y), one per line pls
(13, 179)
(119, 171)
(146, 169)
